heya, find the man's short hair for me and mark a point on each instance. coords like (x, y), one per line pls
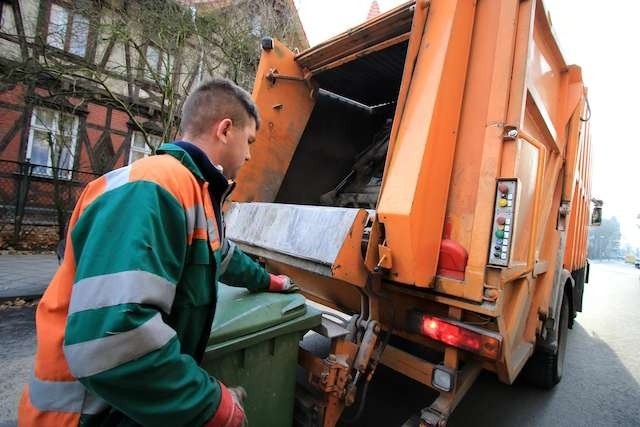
(215, 100)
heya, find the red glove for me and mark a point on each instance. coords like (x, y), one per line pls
(281, 283)
(230, 412)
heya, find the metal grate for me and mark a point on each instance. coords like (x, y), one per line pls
(34, 205)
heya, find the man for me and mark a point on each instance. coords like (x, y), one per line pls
(125, 321)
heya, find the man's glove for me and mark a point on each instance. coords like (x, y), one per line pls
(230, 412)
(281, 283)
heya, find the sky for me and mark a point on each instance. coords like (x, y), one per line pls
(601, 37)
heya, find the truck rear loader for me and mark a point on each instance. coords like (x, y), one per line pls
(426, 173)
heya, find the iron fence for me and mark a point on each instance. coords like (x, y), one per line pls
(36, 202)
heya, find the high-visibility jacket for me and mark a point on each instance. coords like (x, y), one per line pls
(125, 320)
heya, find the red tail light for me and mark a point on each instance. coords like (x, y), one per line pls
(457, 334)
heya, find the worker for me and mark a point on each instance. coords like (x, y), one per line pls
(124, 323)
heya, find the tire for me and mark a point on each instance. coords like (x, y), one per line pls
(545, 368)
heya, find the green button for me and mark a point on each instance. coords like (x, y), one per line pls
(499, 234)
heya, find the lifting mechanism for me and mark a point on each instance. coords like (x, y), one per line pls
(338, 378)
(355, 351)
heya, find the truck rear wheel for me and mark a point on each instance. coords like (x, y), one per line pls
(545, 367)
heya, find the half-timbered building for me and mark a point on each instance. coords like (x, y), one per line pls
(83, 92)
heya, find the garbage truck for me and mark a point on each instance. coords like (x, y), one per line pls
(427, 174)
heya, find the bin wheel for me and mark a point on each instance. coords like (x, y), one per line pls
(432, 419)
(428, 418)
(544, 369)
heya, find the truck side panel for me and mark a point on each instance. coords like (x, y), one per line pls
(413, 196)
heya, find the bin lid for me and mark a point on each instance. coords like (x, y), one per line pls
(240, 312)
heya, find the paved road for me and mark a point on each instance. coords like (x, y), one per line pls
(23, 275)
(17, 345)
(600, 387)
(601, 384)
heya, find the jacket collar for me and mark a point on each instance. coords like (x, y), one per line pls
(183, 156)
(194, 159)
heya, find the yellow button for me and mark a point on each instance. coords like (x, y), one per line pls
(502, 203)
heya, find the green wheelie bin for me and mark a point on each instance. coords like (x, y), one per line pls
(254, 344)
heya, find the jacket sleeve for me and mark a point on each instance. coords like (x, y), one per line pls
(238, 269)
(130, 247)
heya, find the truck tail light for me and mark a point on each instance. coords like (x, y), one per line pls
(457, 334)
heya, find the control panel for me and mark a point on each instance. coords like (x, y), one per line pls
(503, 221)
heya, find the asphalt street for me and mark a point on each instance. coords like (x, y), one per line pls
(17, 345)
(601, 384)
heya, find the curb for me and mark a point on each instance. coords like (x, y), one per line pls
(26, 297)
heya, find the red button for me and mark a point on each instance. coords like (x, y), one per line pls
(503, 188)
(500, 220)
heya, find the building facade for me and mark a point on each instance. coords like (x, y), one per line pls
(86, 87)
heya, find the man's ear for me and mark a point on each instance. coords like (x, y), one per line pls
(222, 129)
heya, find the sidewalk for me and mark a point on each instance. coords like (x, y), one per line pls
(25, 275)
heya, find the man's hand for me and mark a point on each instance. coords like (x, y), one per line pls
(230, 412)
(281, 283)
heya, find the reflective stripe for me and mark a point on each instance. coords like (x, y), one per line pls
(99, 355)
(93, 404)
(195, 218)
(138, 286)
(117, 178)
(226, 259)
(64, 396)
(212, 230)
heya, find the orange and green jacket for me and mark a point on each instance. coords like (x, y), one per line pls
(124, 322)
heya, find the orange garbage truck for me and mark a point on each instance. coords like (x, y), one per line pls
(427, 174)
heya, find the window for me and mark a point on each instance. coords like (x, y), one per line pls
(79, 35)
(7, 21)
(153, 61)
(67, 30)
(158, 64)
(256, 25)
(140, 148)
(52, 142)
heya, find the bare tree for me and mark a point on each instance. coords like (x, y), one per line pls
(604, 241)
(235, 31)
(144, 57)
(140, 57)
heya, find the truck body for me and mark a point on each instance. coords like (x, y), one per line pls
(426, 173)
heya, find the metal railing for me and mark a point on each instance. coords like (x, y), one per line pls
(36, 202)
